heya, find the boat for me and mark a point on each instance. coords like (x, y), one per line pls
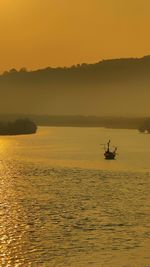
(110, 154)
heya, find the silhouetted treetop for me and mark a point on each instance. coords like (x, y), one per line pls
(124, 84)
(100, 69)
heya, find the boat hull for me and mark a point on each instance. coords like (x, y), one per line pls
(109, 155)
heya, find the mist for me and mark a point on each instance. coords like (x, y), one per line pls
(112, 87)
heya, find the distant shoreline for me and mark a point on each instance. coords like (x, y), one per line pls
(17, 127)
(79, 121)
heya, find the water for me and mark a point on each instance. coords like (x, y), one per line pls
(62, 204)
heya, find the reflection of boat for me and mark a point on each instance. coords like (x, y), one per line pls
(110, 154)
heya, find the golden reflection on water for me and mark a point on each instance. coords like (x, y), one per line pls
(12, 236)
(77, 215)
(4, 144)
(14, 219)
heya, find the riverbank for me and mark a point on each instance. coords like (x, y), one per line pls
(18, 127)
(79, 121)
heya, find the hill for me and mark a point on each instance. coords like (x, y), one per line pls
(118, 87)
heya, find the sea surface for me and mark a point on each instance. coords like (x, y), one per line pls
(63, 205)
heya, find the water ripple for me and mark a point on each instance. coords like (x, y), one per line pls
(61, 216)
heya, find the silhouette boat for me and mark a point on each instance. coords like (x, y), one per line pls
(108, 154)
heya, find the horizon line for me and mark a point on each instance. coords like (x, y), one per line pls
(70, 66)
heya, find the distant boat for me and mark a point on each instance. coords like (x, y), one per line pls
(110, 154)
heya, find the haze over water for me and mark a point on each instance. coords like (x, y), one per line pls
(62, 204)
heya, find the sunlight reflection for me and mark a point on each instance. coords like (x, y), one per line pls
(61, 202)
(6, 147)
(13, 218)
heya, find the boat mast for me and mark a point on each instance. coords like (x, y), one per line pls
(108, 144)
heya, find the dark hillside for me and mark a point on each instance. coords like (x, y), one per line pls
(109, 87)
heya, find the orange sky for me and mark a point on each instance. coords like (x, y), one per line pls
(40, 33)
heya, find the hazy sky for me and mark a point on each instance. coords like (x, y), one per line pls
(40, 33)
